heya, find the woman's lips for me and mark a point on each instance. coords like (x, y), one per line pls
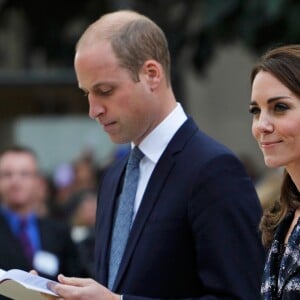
(269, 144)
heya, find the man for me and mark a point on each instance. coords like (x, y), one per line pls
(195, 218)
(28, 241)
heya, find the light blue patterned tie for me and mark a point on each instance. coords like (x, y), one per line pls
(124, 214)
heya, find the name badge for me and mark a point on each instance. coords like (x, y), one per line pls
(46, 262)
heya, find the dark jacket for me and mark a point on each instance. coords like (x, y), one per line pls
(195, 234)
(55, 240)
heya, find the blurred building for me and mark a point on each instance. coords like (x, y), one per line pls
(40, 104)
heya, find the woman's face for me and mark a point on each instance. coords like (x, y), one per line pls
(276, 121)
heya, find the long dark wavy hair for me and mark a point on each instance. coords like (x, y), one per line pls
(283, 63)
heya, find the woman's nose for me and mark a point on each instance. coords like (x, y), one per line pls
(264, 124)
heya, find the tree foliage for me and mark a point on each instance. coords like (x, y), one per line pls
(201, 25)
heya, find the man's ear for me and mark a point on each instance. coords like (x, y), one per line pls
(153, 73)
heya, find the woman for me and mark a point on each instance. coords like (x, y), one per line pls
(275, 106)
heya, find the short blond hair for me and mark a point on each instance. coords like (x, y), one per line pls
(134, 39)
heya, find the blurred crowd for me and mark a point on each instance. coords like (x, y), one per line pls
(70, 195)
(267, 183)
(67, 197)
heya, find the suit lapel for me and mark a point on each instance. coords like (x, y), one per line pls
(110, 194)
(156, 183)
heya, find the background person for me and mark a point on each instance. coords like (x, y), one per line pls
(28, 240)
(82, 214)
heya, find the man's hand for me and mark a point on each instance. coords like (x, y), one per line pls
(73, 288)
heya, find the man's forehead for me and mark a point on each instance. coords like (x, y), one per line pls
(11, 157)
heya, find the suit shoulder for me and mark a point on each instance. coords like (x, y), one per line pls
(193, 140)
(203, 146)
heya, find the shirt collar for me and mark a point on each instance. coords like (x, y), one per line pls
(14, 218)
(155, 143)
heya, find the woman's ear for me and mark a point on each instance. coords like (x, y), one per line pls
(153, 73)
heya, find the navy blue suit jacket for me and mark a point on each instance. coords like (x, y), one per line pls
(195, 234)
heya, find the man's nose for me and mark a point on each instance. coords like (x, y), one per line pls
(95, 107)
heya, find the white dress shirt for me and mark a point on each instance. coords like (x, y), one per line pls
(153, 146)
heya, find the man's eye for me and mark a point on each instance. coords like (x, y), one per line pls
(84, 93)
(106, 92)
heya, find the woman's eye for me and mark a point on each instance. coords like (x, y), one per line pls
(254, 110)
(281, 107)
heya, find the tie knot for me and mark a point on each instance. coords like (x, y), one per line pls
(135, 156)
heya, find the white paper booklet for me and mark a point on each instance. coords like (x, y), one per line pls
(20, 285)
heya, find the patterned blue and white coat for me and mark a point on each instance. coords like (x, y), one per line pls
(281, 278)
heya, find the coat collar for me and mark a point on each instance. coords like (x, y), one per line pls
(278, 273)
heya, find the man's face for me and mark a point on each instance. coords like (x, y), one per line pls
(126, 109)
(18, 179)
